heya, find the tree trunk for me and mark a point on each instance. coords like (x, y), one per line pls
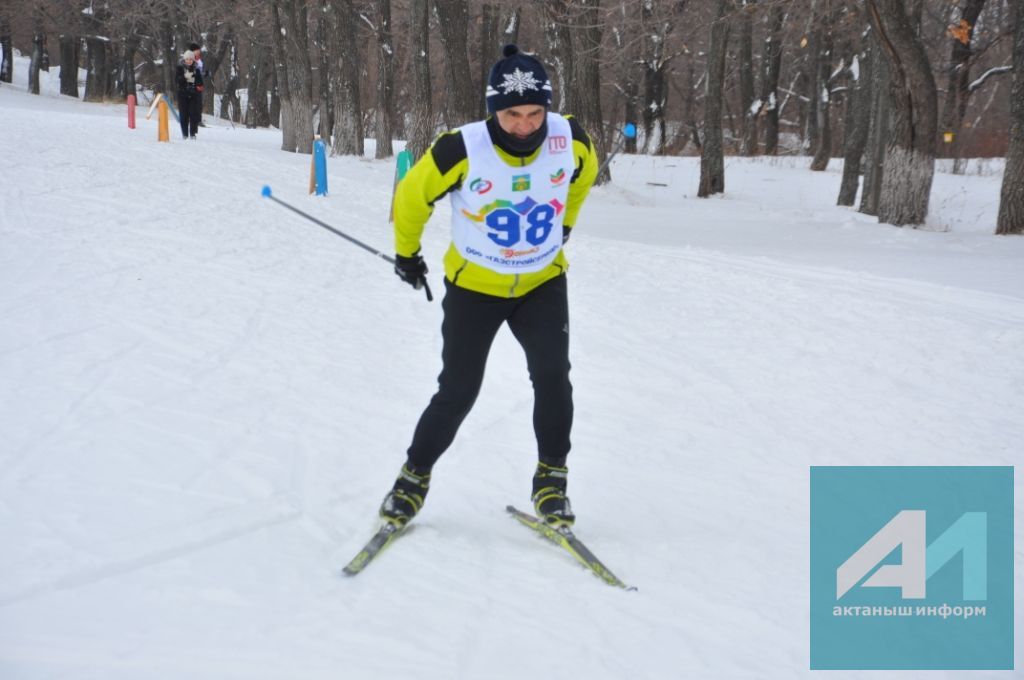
(325, 106)
(69, 65)
(171, 57)
(38, 48)
(288, 142)
(957, 94)
(878, 130)
(421, 114)
(294, 76)
(585, 94)
(348, 111)
(127, 78)
(748, 133)
(712, 161)
(770, 83)
(488, 49)
(385, 80)
(821, 143)
(96, 65)
(910, 154)
(6, 49)
(230, 104)
(508, 24)
(1011, 198)
(629, 71)
(554, 15)
(257, 114)
(461, 101)
(499, 26)
(656, 27)
(858, 116)
(275, 94)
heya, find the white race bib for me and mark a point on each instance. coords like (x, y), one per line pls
(509, 219)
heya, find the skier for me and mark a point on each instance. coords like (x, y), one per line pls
(516, 181)
(190, 102)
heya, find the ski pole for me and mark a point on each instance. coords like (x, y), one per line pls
(268, 194)
(628, 132)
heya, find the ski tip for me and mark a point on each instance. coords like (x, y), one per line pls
(265, 192)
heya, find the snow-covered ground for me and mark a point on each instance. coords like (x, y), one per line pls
(203, 399)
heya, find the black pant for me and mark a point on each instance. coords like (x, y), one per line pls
(190, 109)
(539, 320)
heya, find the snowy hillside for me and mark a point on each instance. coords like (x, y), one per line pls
(203, 399)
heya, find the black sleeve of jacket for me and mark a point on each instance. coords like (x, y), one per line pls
(578, 135)
(448, 151)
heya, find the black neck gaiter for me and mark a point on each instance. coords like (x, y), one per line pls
(514, 145)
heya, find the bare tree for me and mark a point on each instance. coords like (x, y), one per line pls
(348, 112)
(961, 34)
(69, 64)
(321, 48)
(1011, 198)
(585, 93)
(294, 74)
(712, 161)
(499, 26)
(6, 48)
(748, 133)
(910, 154)
(772, 64)
(878, 129)
(257, 114)
(857, 121)
(421, 115)
(461, 99)
(628, 68)
(38, 49)
(559, 56)
(657, 24)
(821, 97)
(385, 80)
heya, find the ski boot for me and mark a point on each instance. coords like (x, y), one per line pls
(549, 499)
(406, 497)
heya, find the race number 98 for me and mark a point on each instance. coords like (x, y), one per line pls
(506, 226)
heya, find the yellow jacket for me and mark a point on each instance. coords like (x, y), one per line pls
(442, 169)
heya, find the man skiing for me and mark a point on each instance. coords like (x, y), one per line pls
(516, 181)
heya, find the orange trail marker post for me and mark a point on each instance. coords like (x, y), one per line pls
(162, 134)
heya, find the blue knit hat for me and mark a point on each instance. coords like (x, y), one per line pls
(517, 79)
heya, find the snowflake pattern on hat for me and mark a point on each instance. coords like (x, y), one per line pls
(520, 81)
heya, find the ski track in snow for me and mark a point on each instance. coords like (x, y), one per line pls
(203, 399)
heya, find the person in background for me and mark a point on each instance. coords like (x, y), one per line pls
(189, 79)
(516, 181)
(198, 54)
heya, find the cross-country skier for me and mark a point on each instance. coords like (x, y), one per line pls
(516, 182)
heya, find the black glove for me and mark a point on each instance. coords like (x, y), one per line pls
(566, 233)
(412, 270)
